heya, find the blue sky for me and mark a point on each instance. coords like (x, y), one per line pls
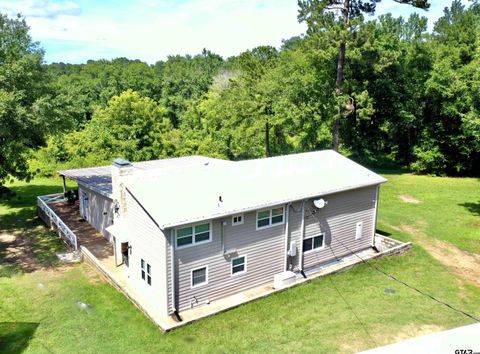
(77, 30)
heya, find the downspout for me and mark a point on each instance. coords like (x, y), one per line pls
(287, 207)
(302, 235)
(377, 193)
(172, 275)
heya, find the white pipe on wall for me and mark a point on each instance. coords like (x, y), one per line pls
(172, 269)
(302, 235)
(287, 210)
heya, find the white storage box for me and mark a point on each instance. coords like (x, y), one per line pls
(283, 279)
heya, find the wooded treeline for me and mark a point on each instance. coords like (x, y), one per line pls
(409, 98)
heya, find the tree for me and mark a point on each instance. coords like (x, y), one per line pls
(83, 87)
(340, 17)
(450, 138)
(130, 126)
(26, 110)
(185, 79)
(388, 65)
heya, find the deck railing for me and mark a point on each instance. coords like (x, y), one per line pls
(42, 202)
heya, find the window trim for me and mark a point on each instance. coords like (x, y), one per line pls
(270, 218)
(315, 249)
(191, 277)
(193, 235)
(144, 266)
(232, 274)
(236, 216)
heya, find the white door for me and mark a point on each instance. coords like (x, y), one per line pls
(84, 206)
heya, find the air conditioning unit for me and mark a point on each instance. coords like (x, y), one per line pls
(283, 279)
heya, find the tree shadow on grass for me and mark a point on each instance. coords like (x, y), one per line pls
(473, 208)
(16, 336)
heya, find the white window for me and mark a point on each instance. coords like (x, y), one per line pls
(199, 276)
(237, 219)
(314, 242)
(239, 265)
(188, 236)
(270, 217)
(146, 272)
(359, 230)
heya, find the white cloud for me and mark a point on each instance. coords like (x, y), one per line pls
(152, 29)
(41, 8)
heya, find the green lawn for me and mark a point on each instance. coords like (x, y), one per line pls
(311, 318)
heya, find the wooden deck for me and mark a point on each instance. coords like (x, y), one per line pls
(87, 236)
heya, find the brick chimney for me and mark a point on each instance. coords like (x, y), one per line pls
(120, 169)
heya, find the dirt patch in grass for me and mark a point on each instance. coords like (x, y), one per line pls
(413, 330)
(406, 198)
(409, 229)
(29, 250)
(463, 263)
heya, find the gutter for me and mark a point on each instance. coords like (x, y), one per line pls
(268, 205)
(302, 235)
(377, 194)
(172, 275)
(287, 208)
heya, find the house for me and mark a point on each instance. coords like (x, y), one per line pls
(189, 231)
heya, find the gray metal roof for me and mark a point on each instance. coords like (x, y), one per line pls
(192, 193)
(99, 179)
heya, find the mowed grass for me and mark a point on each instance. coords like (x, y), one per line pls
(448, 209)
(39, 311)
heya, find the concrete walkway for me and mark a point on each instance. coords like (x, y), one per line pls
(98, 252)
(465, 340)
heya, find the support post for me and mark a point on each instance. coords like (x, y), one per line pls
(64, 185)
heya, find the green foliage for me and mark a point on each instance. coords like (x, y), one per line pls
(408, 97)
(184, 80)
(81, 88)
(130, 126)
(26, 110)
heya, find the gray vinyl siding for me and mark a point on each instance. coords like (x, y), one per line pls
(338, 223)
(264, 250)
(148, 243)
(100, 210)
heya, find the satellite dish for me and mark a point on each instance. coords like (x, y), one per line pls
(319, 203)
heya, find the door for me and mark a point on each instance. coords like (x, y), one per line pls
(84, 209)
(125, 248)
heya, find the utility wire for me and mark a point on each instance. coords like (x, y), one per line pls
(348, 305)
(354, 313)
(408, 285)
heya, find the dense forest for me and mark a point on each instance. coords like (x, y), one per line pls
(405, 97)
